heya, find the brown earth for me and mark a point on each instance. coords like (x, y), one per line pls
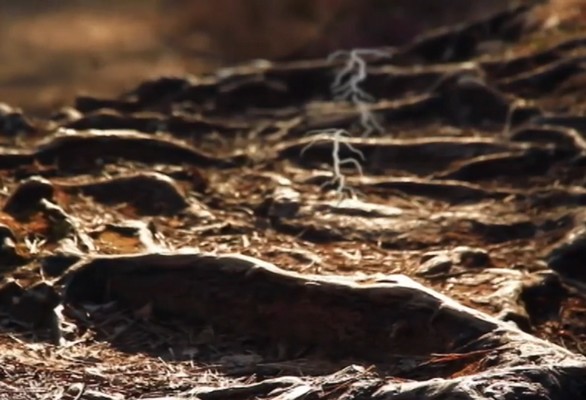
(194, 237)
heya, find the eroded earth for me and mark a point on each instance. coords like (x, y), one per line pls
(196, 238)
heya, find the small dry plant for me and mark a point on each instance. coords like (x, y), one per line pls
(347, 87)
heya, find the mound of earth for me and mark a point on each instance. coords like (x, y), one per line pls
(238, 235)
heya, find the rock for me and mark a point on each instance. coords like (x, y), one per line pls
(569, 257)
(35, 305)
(431, 254)
(471, 257)
(543, 295)
(27, 196)
(440, 264)
(285, 203)
(13, 122)
(33, 308)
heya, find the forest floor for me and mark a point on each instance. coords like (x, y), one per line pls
(192, 236)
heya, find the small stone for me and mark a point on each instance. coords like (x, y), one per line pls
(285, 203)
(471, 257)
(35, 306)
(28, 195)
(437, 265)
(13, 121)
(431, 254)
(569, 257)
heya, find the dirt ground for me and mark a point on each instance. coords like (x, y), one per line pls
(399, 223)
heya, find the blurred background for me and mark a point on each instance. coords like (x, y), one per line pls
(52, 50)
